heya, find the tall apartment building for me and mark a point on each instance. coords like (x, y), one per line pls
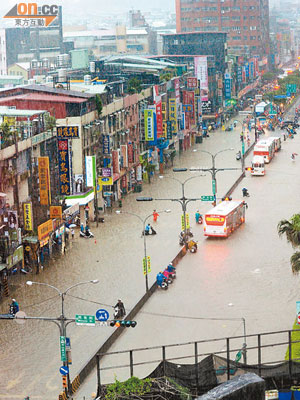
(246, 22)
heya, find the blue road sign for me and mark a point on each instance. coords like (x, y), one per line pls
(102, 315)
(64, 370)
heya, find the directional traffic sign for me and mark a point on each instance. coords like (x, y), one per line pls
(245, 112)
(88, 320)
(63, 354)
(64, 370)
(207, 198)
(102, 315)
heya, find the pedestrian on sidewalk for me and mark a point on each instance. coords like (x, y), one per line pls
(155, 215)
(72, 233)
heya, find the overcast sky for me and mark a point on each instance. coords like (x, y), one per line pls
(85, 7)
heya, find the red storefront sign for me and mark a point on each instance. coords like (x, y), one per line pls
(159, 120)
(115, 160)
(130, 153)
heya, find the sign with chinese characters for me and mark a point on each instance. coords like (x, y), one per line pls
(159, 119)
(44, 180)
(67, 132)
(177, 90)
(106, 144)
(130, 153)
(149, 125)
(147, 265)
(227, 86)
(192, 83)
(201, 73)
(187, 108)
(123, 151)
(173, 115)
(27, 216)
(56, 212)
(64, 166)
(90, 170)
(44, 229)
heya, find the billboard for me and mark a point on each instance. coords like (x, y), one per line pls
(201, 72)
(67, 131)
(44, 180)
(159, 119)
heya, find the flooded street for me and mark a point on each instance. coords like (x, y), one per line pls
(245, 276)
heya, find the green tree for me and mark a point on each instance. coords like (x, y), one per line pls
(291, 229)
(99, 105)
(133, 388)
(134, 86)
(50, 122)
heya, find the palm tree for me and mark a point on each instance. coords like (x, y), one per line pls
(291, 228)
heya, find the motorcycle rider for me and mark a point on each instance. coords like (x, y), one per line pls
(147, 229)
(120, 308)
(198, 217)
(160, 278)
(171, 268)
(192, 244)
(245, 192)
(14, 306)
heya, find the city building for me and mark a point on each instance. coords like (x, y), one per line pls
(246, 23)
(19, 45)
(196, 44)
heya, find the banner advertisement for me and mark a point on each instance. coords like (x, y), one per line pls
(139, 173)
(116, 161)
(44, 180)
(173, 115)
(191, 100)
(169, 130)
(177, 90)
(67, 132)
(106, 144)
(64, 166)
(201, 72)
(90, 170)
(28, 226)
(130, 153)
(124, 158)
(227, 86)
(159, 119)
(199, 110)
(149, 125)
(56, 212)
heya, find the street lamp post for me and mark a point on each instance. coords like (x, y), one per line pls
(62, 322)
(145, 243)
(182, 200)
(243, 145)
(213, 170)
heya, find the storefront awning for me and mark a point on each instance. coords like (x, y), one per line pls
(82, 199)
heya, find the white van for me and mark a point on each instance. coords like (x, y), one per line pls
(258, 165)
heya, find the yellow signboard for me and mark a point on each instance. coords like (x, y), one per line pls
(105, 181)
(56, 212)
(44, 180)
(11, 121)
(187, 221)
(147, 266)
(44, 229)
(28, 216)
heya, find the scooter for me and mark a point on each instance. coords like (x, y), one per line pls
(193, 247)
(117, 313)
(200, 220)
(164, 285)
(238, 156)
(86, 235)
(150, 232)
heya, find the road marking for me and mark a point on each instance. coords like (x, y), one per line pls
(11, 384)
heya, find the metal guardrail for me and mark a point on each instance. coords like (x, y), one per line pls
(258, 343)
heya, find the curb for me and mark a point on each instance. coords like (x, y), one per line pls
(91, 363)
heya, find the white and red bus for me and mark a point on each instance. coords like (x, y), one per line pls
(265, 148)
(225, 218)
(258, 166)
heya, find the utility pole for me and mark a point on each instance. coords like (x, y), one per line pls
(183, 200)
(62, 322)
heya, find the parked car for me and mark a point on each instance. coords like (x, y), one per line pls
(285, 124)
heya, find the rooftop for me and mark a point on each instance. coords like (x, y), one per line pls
(43, 97)
(12, 112)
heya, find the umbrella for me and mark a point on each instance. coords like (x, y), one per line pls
(72, 226)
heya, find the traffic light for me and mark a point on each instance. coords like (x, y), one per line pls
(248, 169)
(64, 381)
(124, 323)
(227, 198)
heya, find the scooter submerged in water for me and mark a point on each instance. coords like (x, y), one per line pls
(87, 234)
